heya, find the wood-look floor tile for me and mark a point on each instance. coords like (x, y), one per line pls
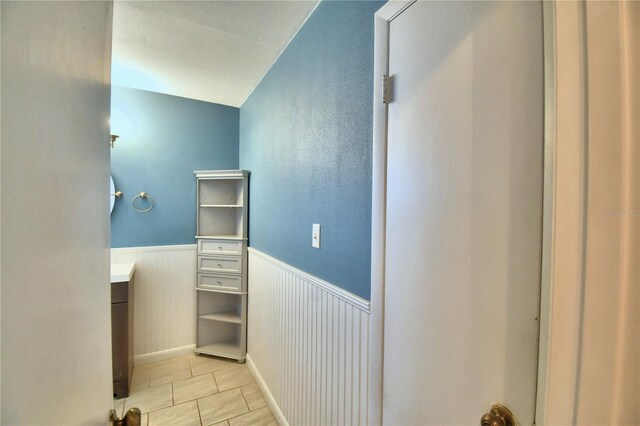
(151, 365)
(181, 358)
(225, 423)
(182, 414)
(138, 386)
(222, 406)
(169, 373)
(193, 388)
(150, 399)
(253, 396)
(233, 377)
(203, 364)
(141, 374)
(139, 379)
(261, 417)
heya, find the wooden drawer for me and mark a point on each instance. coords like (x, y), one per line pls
(219, 282)
(219, 247)
(232, 265)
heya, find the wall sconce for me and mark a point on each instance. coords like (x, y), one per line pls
(113, 140)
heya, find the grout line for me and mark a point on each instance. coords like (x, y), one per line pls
(249, 412)
(215, 381)
(233, 417)
(199, 413)
(170, 406)
(215, 384)
(244, 399)
(148, 387)
(173, 404)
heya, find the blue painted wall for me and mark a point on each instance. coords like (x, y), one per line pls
(163, 140)
(306, 136)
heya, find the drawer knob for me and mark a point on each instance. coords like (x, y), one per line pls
(219, 283)
(219, 265)
(220, 247)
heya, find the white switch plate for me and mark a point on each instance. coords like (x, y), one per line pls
(315, 236)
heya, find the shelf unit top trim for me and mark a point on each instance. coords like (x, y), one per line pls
(221, 174)
(220, 237)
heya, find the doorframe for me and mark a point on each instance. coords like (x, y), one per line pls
(383, 18)
(548, 206)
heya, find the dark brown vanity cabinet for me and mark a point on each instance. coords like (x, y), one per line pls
(122, 337)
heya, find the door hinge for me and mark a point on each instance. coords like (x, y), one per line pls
(387, 94)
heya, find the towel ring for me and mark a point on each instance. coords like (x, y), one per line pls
(142, 195)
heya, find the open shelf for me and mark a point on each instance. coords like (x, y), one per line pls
(224, 349)
(220, 191)
(229, 316)
(221, 221)
(223, 305)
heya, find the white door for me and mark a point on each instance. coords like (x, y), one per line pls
(464, 200)
(56, 313)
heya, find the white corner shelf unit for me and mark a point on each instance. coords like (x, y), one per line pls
(221, 277)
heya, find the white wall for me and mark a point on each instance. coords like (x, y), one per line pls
(308, 344)
(165, 299)
(591, 347)
(56, 349)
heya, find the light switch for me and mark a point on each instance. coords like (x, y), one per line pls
(315, 236)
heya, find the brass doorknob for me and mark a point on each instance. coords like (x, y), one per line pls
(499, 415)
(133, 417)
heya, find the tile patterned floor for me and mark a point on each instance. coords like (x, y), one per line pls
(196, 390)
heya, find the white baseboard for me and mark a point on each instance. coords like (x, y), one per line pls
(162, 355)
(275, 409)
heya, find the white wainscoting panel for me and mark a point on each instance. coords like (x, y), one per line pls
(309, 342)
(165, 299)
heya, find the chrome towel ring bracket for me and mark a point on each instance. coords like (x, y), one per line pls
(144, 196)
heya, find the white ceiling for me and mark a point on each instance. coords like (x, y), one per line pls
(215, 51)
